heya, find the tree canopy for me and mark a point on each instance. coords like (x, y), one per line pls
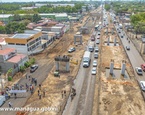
(13, 27)
(107, 7)
(138, 21)
(16, 8)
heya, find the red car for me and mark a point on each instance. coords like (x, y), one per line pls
(143, 67)
(98, 37)
(92, 39)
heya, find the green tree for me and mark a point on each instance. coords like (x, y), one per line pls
(10, 78)
(12, 27)
(22, 68)
(2, 30)
(16, 17)
(107, 7)
(36, 18)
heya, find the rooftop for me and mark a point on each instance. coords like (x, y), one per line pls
(56, 27)
(41, 14)
(31, 32)
(22, 36)
(26, 34)
(17, 58)
(7, 51)
(61, 15)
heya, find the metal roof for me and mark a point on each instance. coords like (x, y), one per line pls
(61, 15)
(22, 36)
(26, 34)
(31, 31)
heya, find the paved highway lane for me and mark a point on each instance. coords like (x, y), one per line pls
(71, 107)
(134, 56)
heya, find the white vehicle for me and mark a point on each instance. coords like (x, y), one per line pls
(95, 55)
(94, 63)
(96, 49)
(96, 27)
(138, 70)
(97, 41)
(142, 85)
(91, 46)
(2, 100)
(71, 50)
(120, 26)
(127, 47)
(86, 59)
(94, 71)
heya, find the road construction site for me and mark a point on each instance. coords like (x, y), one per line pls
(102, 94)
(116, 95)
(54, 86)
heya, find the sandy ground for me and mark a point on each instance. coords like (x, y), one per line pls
(120, 97)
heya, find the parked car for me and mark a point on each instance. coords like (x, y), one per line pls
(95, 55)
(72, 50)
(143, 67)
(138, 70)
(94, 71)
(33, 68)
(94, 63)
(142, 85)
(127, 47)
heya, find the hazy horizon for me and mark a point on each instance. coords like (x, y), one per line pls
(4, 1)
(41, 0)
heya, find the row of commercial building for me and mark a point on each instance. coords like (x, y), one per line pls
(55, 16)
(16, 48)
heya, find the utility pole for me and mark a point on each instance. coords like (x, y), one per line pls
(102, 11)
(1, 83)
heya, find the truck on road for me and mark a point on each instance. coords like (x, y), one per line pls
(86, 59)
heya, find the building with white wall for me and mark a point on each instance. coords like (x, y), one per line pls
(9, 58)
(25, 42)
